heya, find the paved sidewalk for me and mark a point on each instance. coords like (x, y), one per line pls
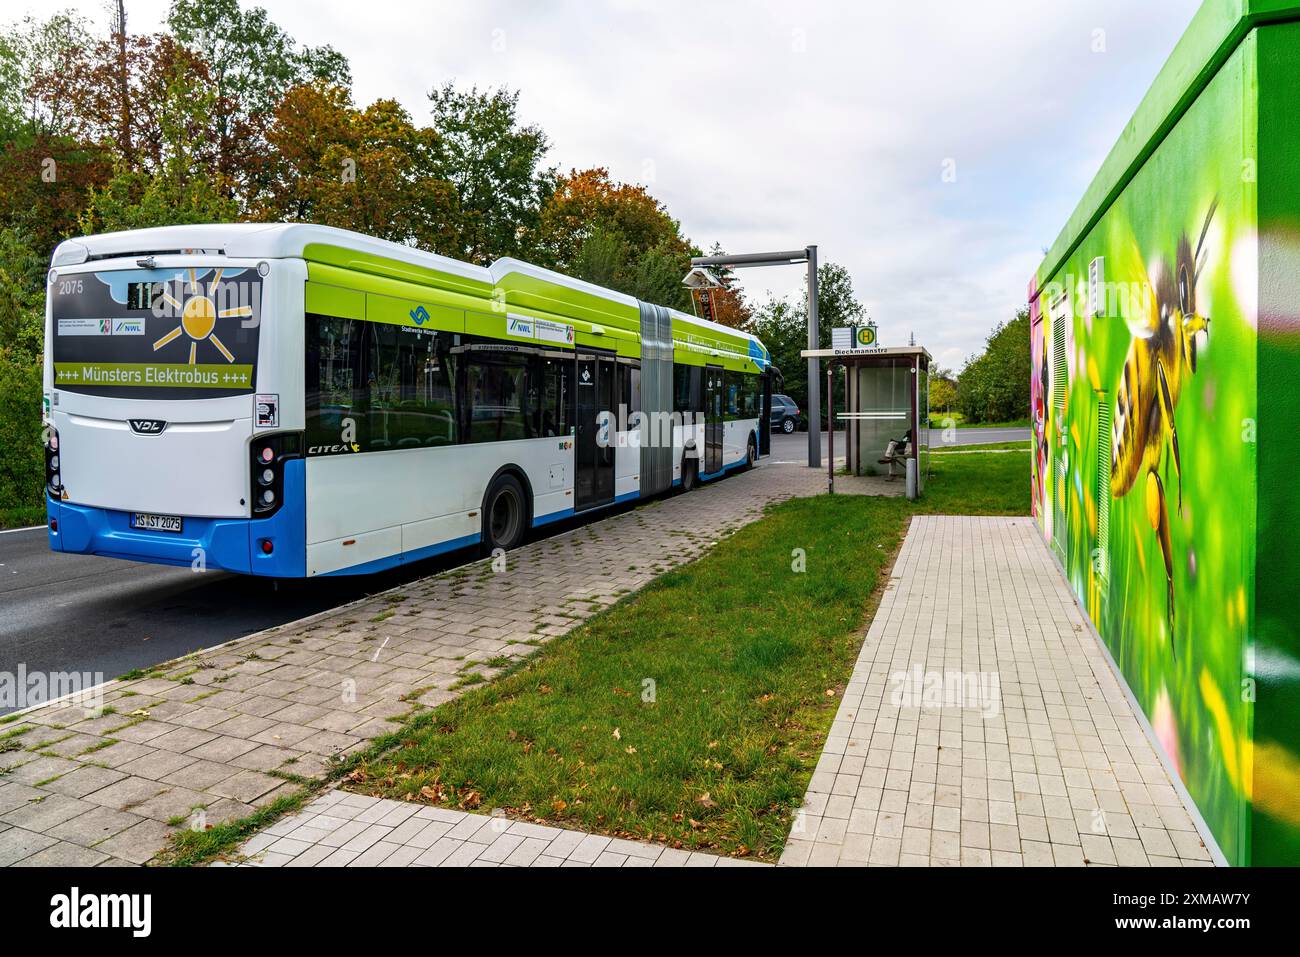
(1042, 764)
(353, 830)
(1037, 760)
(225, 731)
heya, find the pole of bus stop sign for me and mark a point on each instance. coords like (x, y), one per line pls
(830, 426)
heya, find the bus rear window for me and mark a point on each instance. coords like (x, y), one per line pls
(157, 333)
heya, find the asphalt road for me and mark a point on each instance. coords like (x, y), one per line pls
(794, 448)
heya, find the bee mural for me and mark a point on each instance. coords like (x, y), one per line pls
(1149, 388)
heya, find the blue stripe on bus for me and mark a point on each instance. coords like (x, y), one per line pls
(725, 470)
(406, 558)
(225, 544)
(564, 513)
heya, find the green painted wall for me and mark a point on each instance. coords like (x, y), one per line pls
(1181, 627)
(1276, 822)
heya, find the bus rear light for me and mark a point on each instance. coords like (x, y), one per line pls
(268, 456)
(54, 525)
(53, 480)
(267, 547)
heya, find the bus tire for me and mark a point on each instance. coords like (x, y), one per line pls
(690, 474)
(505, 515)
(751, 453)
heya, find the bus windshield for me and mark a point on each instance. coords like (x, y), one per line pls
(178, 333)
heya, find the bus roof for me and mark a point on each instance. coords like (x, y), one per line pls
(291, 240)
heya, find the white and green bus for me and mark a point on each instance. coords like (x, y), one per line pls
(293, 400)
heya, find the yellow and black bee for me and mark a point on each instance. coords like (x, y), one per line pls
(1151, 384)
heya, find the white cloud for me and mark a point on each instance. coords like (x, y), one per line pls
(771, 125)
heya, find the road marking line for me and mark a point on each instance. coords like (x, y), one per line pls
(29, 528)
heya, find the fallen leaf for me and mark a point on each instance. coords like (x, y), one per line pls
(617, 735)
(707, 800)
(558, 806)
(630, 749)
(432, 793)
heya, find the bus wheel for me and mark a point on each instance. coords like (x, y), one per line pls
(751, 454)
(690, 474)
(503, 515)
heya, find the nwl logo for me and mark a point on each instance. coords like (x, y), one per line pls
(73, 910)
(420, 315)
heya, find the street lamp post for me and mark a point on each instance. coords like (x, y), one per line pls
(806, 255)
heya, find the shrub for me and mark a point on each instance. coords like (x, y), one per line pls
(22, 462)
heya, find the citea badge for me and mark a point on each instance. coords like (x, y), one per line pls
(267, 413)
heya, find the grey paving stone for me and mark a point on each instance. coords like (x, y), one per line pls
(65, 854)
(94, 825)
(17, 843)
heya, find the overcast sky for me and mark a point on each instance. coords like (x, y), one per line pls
(766, 125)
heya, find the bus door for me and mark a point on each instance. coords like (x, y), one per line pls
(593, 479)
(714, 388)
(765, 415)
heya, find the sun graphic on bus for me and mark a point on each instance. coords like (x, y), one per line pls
(199, 315)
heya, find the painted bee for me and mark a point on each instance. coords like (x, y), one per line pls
(1150, 386)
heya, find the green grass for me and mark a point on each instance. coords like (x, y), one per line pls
(189, 848)
(22, 516)
(959, 420)
(976, 485)
(740, 652)
(746, 660)
(981, 447)
(722, 754)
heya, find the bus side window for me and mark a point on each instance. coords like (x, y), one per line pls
(495, 390)
(335, 397)
(629, 387)
(555, 397)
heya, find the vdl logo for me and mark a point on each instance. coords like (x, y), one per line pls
(420, 315)
(147, 426)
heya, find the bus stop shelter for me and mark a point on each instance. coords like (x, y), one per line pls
(883, 409)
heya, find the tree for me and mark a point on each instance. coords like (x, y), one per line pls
(783, 326)
(494, 167)
(22, 320)
(616, 235)
(837, 303)
(994, 386)
(783, 329)
(46, 172)
(253, 63)
(369, 170)
(182, 188)
(943, 390)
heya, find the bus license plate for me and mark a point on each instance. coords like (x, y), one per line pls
(156, 523)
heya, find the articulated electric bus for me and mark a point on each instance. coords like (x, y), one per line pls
(294, 400)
